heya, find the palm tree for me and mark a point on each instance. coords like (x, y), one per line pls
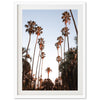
(71, 57)
(47, 84)
(25, 63)
(23, 50)
(60, 40)
(41, 47)
(74, 22)
(25, 68)
(40, 82)
(38, 32)
(66, 17)
(24, 55)
(65, 33)
(30, 28)
(58, 60)
(69, 69)
(42, 57)
(40, 66)
(48, 71)
(58, 57)
(57, 46)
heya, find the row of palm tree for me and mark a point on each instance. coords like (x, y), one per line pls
(65, 32)
(66, 18)
(31, 28)
(34, 81)
(68, 66)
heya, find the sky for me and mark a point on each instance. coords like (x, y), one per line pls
(51, 22)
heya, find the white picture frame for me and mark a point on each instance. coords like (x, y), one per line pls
(81, 7)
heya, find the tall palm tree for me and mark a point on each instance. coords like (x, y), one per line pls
(60, 40)
(30, 28)
(39, 71)
(66, 18)
(40, 66)
(65, 33)
(48, 70)
(38, 32)
(58, 57)
(57, 46)
(41, 43)
(58, 60)
(37, 65)
(41, 47)
(74, 22)
(42, 57)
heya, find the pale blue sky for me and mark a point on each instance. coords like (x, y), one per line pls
(51, 22)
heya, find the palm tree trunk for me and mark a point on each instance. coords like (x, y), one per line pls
(58, 70)
(41, 68)
(68, 42)
(34, 54)
(37, 67)
(39, 72)
(61, 51)
(28, 45)
(64, 46)
(65, 24)
(74, 22)
(58, 51)
(48, 75)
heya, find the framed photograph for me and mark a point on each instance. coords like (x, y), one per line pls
(51, 50)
